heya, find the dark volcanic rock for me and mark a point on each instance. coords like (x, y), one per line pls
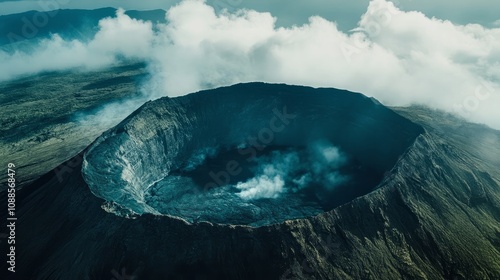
(435, 215)
(165, 135)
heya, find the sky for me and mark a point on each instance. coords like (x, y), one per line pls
(345, 13)
(400, 57)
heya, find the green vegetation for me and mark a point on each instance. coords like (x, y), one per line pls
(39, 125)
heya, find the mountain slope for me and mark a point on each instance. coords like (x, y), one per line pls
(435, 215)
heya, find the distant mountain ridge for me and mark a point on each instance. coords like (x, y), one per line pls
(68, 23)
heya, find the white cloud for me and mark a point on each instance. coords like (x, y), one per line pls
(123, 35)
(118, 36)
(401, 58)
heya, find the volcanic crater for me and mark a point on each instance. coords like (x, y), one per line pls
(267, 154)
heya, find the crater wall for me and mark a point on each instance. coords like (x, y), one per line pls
(162, 135)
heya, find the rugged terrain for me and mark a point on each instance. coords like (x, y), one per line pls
(435, 214)
(41, 122)
(166, 135)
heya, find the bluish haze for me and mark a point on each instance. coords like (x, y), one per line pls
(345, 13)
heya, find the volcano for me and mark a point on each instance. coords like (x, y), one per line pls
(261, 181)
(190, 156)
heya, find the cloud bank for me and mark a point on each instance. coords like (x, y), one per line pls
(400, 58)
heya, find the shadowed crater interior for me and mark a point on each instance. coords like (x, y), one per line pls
(249, 154)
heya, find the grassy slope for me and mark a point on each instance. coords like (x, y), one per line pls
(38, 124)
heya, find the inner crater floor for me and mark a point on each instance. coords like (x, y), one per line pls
(260, 187)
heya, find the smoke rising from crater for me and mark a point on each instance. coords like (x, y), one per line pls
(400, 58)
(293, 171)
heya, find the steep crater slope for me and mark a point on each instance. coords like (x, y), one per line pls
(250, 154)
